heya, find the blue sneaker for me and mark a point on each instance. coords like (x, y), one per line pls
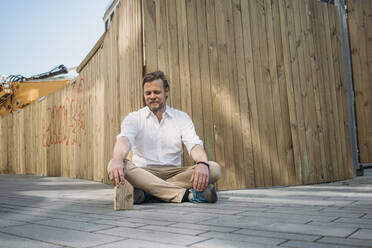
(208, 195)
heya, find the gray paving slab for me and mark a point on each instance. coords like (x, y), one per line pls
(245, 238)
(118, 222)
(289, 217)
(74, 225)
(308, 229)
(7, 241)
(8, 222)
(154, 236)
(21, 217)
(355, 220)
(363, 234)
(237, 221)
(341, 224)
(349, 241)
(172, 217)
(218, 243)
(203, 227)
(46, 211)
(302, 244)
(59, 236)
(172, 229)
(135, 243)
(150, 222)
(281, 235)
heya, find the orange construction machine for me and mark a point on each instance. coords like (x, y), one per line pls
(17, 91)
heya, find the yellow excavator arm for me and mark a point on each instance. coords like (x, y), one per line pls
(17, 92)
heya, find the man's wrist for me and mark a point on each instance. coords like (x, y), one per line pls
(202, 162)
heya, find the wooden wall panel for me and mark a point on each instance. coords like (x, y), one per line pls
(273, 72)
(72, 131)
(359, 22)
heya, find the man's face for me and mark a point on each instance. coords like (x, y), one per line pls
(155, 95)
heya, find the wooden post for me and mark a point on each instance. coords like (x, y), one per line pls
(123, 196)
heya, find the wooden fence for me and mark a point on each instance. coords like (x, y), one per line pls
(360, 32)
(263, 81)
(71, 133)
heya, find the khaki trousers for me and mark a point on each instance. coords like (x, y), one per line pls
(168, 183)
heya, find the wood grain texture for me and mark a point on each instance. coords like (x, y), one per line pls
(123, 196)
(359, 21)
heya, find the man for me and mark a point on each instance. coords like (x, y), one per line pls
(155, 135)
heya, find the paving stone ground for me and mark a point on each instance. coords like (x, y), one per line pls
(64, 212)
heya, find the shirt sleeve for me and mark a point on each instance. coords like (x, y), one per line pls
(188, 134)
(129, 128)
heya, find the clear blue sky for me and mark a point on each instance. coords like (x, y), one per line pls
(37, 35)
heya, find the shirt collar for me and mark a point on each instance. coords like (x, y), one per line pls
(168, 111)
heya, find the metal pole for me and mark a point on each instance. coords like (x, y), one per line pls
(349, 84)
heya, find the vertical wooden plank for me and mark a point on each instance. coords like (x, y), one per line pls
(215, 85)
(368, 105)
(286, 35)
(244, 166)
(50, 118)
(225, 106)
(234, 120)
(337, 87)
(65, 167)
(293, 23)
(174, 70)
(343, 96)
(316, 172)
(355, 52)
(161, 35)
(89, 115)
(325, 68)
(308, 172)
(285, 147)
(333, 91)
(194, 65)
(253, 73)
(207, 107)
(41, 115)
(183, 51)
(319, 92)
(138, 51)
(184, 57)
(359, 36)
(251, 141)
(150, 43)
(4, 144)
(279, 174)
(263, 89)
(11, 133)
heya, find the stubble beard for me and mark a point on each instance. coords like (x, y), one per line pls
(156, 109)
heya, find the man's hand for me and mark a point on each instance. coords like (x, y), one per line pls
(200, 177)
(116, 172)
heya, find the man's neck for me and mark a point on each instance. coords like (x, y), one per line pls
(159, 113)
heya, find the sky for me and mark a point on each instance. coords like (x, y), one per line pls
(38, 35)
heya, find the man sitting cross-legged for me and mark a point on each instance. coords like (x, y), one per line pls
(155, 135)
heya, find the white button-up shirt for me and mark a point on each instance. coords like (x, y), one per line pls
(154, 143)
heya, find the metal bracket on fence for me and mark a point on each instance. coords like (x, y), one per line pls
(349, 85)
